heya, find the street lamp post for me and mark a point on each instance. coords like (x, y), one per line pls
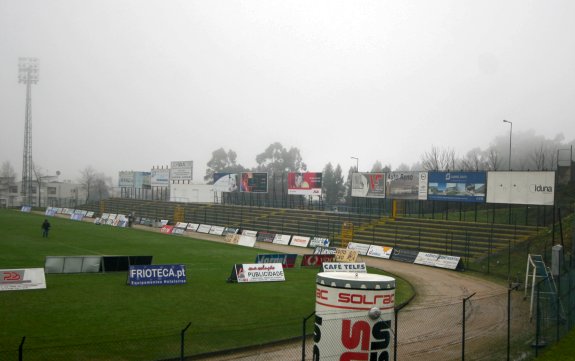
(510, 134)
(356, 163)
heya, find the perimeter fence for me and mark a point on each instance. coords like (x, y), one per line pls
(515, 325)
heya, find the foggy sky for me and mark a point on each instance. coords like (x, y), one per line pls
(127, 85)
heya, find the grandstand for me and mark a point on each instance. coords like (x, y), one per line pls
(464, 239)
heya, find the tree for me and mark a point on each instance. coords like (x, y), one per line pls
(333, 184)
(7, 172)
(277, 159)
(222, 162)
(87, 181)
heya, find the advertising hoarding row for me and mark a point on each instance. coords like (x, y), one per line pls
(531, 188)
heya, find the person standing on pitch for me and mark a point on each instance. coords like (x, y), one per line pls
(45, 228)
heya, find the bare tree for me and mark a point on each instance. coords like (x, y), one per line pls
(493, 162)
(7, 171)
(437, 159)
(88, 180)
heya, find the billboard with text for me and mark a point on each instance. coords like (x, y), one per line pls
(536, 188)
(252, 182)
(406, 185)
(457, 186)
(181, 170)
(307, 184)
(369, 185)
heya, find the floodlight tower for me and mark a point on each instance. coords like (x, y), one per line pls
(27, 74)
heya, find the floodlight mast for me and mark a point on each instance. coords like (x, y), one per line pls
(27, 74)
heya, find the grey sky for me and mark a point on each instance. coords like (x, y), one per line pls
(126, 85)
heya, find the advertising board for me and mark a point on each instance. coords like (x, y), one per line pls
(299, 241)
(254, 182)
(282, 239)
(265, 237)
(457, 186)
(160, 177)
(531, 188)
(268, 272)
(157, 275)
(126, 179)
(247, 241)
(406, 185)
(380, 251)
(286, 259)
(316, 260)
(306, 184)
(325, 250)
(404, 255)
(204, 228)
(358, 267)
(217, 230)
(318, 242)
(369, 185)
(181, 170)
(361, 248)
(345, 255)
(426, 259)
(22, 279)
(225, 182)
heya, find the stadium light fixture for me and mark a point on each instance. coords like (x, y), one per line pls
(356, 163)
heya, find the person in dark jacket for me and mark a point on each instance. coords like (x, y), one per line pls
(45, 228)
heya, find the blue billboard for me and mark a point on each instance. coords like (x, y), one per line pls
(457, 186)
(157, 275)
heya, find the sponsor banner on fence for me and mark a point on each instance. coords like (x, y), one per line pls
(449, 262)
(536, 188)
(167, 229)
(230, 230)
(307, 184)
(286, 259)
(318, 242)
(217, 230)
(380, 251)
(427, 259)
(404, 255)
(247, 232)
(26, 209)
(457, 186)
(204, 228)
(193, 227)
(369, 185)
(345, 255)
(76, 217)
(299, 241)
(316, 260)
(282, 239)
(265, 237)
(22, 279)
(361, 248)
(325, 250)
(181, 225)
(406, 185)
(254, 182)
(50, 211)
(268, 272)
(225, 182)
(247, 241)
(157, 275)
(178, 231)
(358, 267)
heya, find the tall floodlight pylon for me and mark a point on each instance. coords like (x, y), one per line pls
(27, 74)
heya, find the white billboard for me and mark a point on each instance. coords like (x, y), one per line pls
(181, 170)
(225, 182)
(535, 188)
(369, 185)
(160, 177)
(126, 179)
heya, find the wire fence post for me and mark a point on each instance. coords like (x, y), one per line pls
(303, 335)
(21, 349)
(463, 327)
(182, 341)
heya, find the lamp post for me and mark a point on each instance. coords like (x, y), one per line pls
(356, 163)
(510, 133)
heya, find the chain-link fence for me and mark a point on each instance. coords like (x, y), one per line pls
(511, 325)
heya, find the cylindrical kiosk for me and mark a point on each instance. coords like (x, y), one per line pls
(354, 314)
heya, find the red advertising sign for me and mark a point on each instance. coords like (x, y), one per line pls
(316, 260)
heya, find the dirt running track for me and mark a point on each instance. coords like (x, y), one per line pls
(431, 322)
